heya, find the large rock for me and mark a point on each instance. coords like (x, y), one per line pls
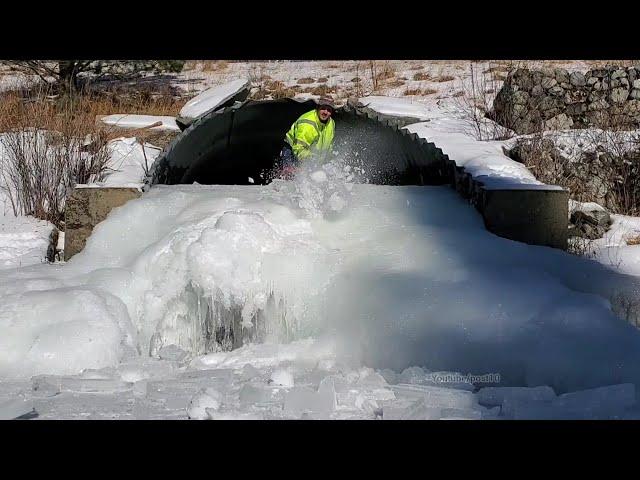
(577, 79)
(619, 95)
(559, 122)
(588, 220)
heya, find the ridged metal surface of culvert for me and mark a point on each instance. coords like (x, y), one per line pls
(231, 145)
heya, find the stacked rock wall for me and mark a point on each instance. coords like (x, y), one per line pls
(550, 99)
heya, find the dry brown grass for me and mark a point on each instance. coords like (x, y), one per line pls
(305, 81)
(274, 89)
(214, 65)
(323, 90)
(395, 83)
(633, 239)
(444, 78)
(322, 80)
(420, 91)
(422, 76)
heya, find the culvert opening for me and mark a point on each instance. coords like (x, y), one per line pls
(232, 146)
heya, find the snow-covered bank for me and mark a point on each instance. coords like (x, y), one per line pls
(398, 276)
(23, 241)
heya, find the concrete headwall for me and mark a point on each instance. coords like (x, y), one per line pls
(85, 208)
(537, 215)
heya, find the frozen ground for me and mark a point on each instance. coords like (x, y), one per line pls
(386, 292)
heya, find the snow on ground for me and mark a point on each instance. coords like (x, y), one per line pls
(128, 162)
(448, 129)
(140, 121)
(390, 279)
(212, 97)
(23, 241)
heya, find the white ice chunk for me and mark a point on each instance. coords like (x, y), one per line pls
(15, 408)
(133, 375)
(282, 377)
(390, 376)
(436, 396)
(204, 400)
(249, 372)
(303, 399)
(257, 393)
(172, 352)
(319, 176)
(212, 98)
(413, 375)
(51, 383)
(233, 415)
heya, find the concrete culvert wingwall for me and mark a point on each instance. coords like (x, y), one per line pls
(231, 145)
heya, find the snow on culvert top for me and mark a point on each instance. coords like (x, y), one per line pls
(140, 121)
(393, 106)
(212, 97)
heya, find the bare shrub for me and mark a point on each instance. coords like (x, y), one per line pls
(476, 101)
(444, 78)
(306, 80)
(213, 65)
(50, 145)
(322, 80)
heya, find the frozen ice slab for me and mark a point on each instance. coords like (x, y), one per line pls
(492, 396)
(233, 415)
(436, 396)
(390, 376)
(410, 409)
(172, 352)
(282, 377)
(413, 375)
(51, 385)
(460, 414)
(259, 393)
(213, 97)
(609, 400)
(299, 400)
(205, 400)
(249, 372)
(12, 409)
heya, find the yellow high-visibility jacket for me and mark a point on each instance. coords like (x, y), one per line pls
(309, 136)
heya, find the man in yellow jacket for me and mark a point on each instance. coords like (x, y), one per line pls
(311, 135)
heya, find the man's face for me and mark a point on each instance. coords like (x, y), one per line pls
(324, 112)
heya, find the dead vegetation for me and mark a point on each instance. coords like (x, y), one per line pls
(419, 91)
(422, 76)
